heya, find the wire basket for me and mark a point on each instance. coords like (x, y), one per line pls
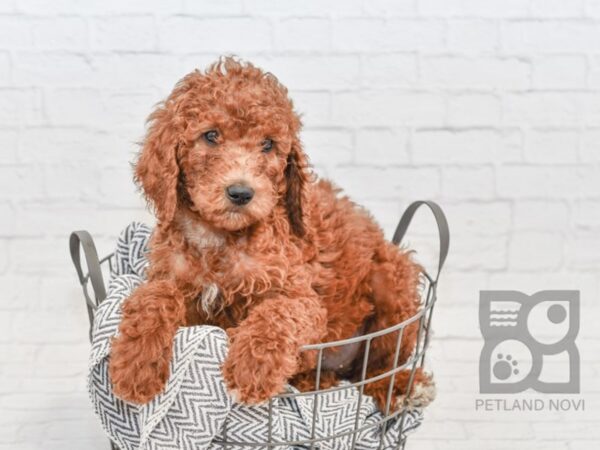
(100, 269)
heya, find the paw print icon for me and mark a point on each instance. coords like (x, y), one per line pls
(529, 342)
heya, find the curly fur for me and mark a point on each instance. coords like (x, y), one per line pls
(299, 264)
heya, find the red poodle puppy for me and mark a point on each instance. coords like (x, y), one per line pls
(248, 240)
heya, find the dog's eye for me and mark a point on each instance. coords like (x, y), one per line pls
(267, 145)
(211, 137)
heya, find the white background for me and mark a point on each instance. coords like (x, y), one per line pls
(490, 107)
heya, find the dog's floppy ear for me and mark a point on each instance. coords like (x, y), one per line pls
(296, 175)
(156, 170)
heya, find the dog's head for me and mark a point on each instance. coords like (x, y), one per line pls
(225, 145)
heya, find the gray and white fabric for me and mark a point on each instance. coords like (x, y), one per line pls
(195, 410)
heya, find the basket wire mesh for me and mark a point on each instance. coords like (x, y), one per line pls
(422, 319)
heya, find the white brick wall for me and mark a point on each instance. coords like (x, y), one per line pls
(491, 107)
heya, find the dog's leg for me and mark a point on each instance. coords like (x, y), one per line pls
(421, 394)
(307, 381)
(264, 351)
(394, 282)
(142, 351)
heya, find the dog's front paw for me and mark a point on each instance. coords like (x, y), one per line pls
(423, 393)
(255, 372)
(139, 368)
(141, 352)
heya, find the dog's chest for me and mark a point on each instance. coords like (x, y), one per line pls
(221, 270)
(220, 277)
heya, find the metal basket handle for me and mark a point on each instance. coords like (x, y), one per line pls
(84, 239)
(442, 223)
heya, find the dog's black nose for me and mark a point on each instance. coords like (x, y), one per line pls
(240, 194)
